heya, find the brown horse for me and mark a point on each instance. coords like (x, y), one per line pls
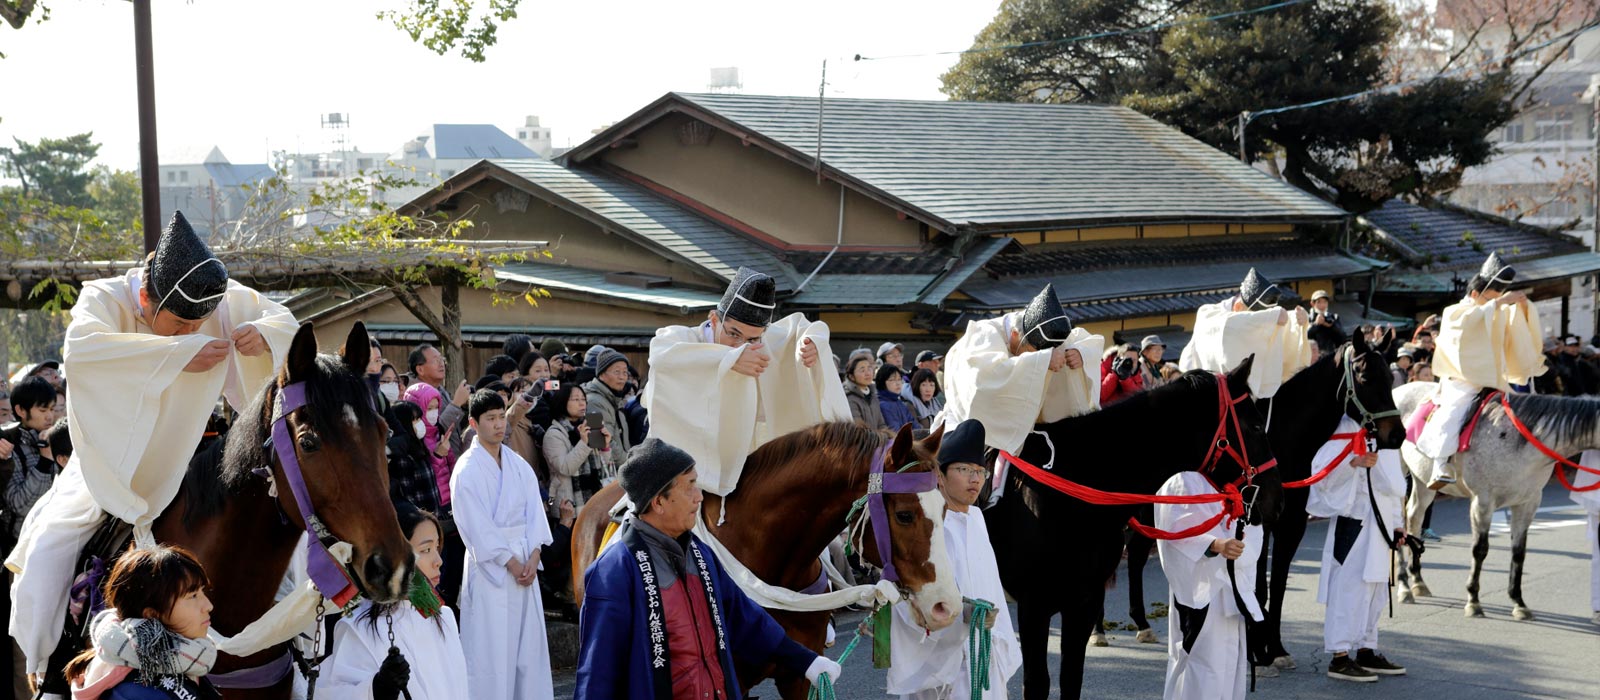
(792, 501)
(244, 537)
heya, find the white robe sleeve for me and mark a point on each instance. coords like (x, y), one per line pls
(1003, 391)
(244, 306)
(1070, 392)
(694, 397)
(474, 493)
(1337, 492)
(353, 664)
(1389, 487)
(1223, 338)
(539, 534)
(793, 396)
(1182, 516)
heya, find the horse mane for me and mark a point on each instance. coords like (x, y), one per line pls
(831, 447)
(1556, 418)
(211, 479)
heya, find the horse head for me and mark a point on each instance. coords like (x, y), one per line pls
(1368, 392)
(921, 563)
(338, 439)
(1250, 465)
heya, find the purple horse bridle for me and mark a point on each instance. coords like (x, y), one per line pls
(879, 484)
(326, 572)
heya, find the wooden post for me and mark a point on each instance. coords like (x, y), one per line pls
(450, 339)
(149, 161)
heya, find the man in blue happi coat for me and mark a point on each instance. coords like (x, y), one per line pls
(661, 619)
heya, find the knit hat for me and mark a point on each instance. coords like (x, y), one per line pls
(593, 353)
(184, 277)
(552, 347)
(607, 358)
(750, 298)
(651, 467)
(964, 444)
(1044, 323)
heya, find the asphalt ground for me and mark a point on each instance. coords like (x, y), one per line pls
(1448, 656)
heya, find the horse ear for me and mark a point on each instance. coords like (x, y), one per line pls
(900, 451)
(1240, 376)
(1358, 342)
(302, 359)
(357, 350)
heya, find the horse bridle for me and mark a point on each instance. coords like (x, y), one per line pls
(1347, 384)
(326, 572)
(880, 484)
(1221, 446)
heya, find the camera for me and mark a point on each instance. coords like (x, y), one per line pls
(1124, 367)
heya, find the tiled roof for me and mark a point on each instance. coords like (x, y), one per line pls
(1528, 271)
(862, 290)
(574, 279)
(1446, 239)
(475, 141)
(628, 207)
(1159, 253)
(1134, 308)
(1007, 166)
(870, 263)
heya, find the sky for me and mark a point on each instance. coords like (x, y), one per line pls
(254, 76)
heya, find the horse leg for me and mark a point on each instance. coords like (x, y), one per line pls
(1286, 541)
(1416, 510)
(1033, 633)
(1097, 631)
(1138, 556)
(1481, 515)
(1521, 518)
(1077, 617)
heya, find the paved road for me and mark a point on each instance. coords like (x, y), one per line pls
(1449, 656)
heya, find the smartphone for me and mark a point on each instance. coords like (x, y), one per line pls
(597, 439)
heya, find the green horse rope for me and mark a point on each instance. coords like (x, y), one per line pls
(978, 650)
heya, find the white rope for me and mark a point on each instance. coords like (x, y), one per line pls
(779, 598)
(287, 618)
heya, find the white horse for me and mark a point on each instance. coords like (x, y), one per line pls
(1501, 470)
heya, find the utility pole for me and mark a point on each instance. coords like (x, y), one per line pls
(149, 165)
(1244, 121)
(1593, 96)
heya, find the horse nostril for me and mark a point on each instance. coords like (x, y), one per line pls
(941, 611)
(378, 569)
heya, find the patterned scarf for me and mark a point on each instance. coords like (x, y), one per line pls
(151, 648)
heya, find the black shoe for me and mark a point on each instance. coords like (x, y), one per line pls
(1373, 661)
(1344, 668)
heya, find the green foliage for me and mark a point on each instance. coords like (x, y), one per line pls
(53, 169)
(442, 25)
(17, 12)
(1199, 76)
(116, 197)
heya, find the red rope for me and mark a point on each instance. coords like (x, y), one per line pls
(1505, 403)
(1233, 503)
(1357, 446)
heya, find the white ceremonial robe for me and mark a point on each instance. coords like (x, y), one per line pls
(937, 664)
(500, 515)
(1218, 665)
(135, 420)
(1223, 338)
(432, 647)
(1357, 589)
(1011, 394)
(1590, 500)
(719, 416)
(1478, 346)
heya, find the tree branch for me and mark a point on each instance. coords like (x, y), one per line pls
(408, 297)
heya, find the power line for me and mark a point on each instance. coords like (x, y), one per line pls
(1097, 35)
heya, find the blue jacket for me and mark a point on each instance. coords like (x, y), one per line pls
(614, 647)
(896, 411)
(166, 689)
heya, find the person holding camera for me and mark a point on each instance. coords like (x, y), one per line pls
(1324, 330)
(576, 449)
(1119, 375)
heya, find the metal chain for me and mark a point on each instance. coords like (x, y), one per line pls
(313, 666)
(388, 618)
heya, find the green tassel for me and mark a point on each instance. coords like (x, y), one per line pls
(423, 597)
(880, 636)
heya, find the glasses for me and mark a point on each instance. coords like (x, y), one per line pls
(970, 472)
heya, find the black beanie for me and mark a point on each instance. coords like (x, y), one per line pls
(651, 467)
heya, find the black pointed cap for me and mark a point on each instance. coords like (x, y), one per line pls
(964, 444)
(750, 298)
(184, 277)
(1258, 292)
(1496, 274)
(1044, 323)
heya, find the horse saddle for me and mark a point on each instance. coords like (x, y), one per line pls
(1420, 418)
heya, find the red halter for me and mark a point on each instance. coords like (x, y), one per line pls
(1221, 446)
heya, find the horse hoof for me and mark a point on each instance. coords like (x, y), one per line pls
(1285, 663)
(1098, 640)
(1404, 595)
(1148, 636)
(1521, 613)
(1474, 610)
(1420, 590)
(1596, 618)
(1268, 671)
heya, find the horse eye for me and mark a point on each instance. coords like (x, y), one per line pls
(904, 517)
(310, 442)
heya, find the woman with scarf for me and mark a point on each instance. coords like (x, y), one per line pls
(926, 399)
(896, 410)
(441, 462)
(425, 657)
(150, 642)
(577, 471)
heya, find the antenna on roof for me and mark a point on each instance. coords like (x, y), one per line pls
(822, 91)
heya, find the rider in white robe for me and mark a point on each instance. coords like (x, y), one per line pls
(501, 517)
(1489, 339)
(1024, 368)
(1217, 664)
(1355, 557)
(1251, 323)
(926, 666)
(1590, 500)
(139, 409)
(431, 646)
(734, 382)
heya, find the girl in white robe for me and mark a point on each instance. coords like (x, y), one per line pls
(1590, 500)
(501, 517)
(430, 645)
(1215, 664)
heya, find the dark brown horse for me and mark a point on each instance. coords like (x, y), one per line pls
(792, 501)
(245, 538)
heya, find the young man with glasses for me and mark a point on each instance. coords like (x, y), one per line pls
(937, 665)
(150, 352)
(1251, 323)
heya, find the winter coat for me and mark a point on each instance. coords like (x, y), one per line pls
(864, 405)
(896, 411)
(569, 462)
(610, 405)
(1114, 388)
